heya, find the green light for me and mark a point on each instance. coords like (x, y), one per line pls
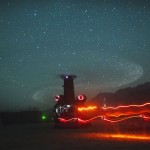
(43, 117)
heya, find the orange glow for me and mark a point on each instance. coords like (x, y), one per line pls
(122, 113)
(78, 119)
(128, 110)
(127, 106)
(114, 114)
(87, 108)
(67, 120)
(147, 118)
(128, 136)
(122, 136)
(101, 117)
(120, 119)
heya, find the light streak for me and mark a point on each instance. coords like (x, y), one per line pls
(147, 118)
(87, 108)
(67, 120)
(127, 106)
(122, 113)
(113, 114)
(122, 119)
(93, 118)
(124, 136)
(128, 110)
(79, 119)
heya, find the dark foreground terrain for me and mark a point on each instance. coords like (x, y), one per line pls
(45, 137)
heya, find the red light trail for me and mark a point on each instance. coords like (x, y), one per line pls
(147, 118)
(101, 117)
(127, 106)
(120, 119)
(114, 114)
(128, 110)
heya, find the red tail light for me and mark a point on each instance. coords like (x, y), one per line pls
(81, 98)
(57, 98)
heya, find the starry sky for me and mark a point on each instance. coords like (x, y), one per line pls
(106, 43)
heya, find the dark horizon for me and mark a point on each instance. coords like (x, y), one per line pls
(133, 95)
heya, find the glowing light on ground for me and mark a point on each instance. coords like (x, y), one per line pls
(120, 136)
(139, 137)
(124, 136)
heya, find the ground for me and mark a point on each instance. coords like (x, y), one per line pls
(46, 137)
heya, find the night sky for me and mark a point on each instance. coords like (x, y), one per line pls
(106, 43)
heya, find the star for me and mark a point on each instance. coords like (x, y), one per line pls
(105, 44)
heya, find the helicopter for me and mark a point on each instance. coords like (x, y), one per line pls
(65, 111)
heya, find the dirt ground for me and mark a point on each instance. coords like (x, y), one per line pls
(45, 137)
